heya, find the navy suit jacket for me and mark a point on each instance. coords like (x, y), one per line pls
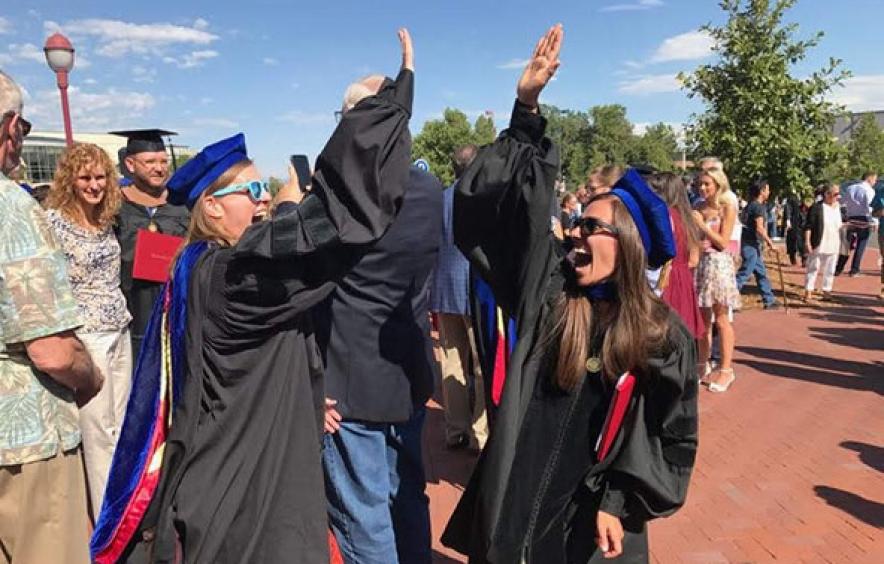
(373, 330)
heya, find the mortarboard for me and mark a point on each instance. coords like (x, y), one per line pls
(651, 216)
(204, 168)
(144, 140)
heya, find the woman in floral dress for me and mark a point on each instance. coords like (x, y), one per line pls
(716, 277)
(81, 207)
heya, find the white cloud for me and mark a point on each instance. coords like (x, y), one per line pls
(649, 84)
(299, 117)
(90, 111)
(513, 64)
(118, 38)
(5, 59)
(220, 123)
(27, 52)
(861, 93)
(270, 61)
(633, 7)
(143, 74)
(34, 14)
(90, 81)
(684, 47)
(192, 59)
(200, 23)
(5, 26)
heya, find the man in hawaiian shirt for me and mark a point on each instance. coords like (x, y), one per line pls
(44, 372)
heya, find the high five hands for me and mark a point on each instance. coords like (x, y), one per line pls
(541, 67)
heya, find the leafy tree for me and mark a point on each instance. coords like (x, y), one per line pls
(483, 130)
(439, 138)
(759, 118)
(570, 130)
(274, 184)
(611, 138)
(865, 150)
(657, 147)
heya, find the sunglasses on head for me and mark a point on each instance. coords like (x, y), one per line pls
(25, 124)
(590, 226)
(254, 189)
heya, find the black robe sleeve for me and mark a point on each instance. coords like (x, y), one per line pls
(502, 210)
(649, 475)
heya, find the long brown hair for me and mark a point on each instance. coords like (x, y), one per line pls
(672, 189)
(631, 328)
(62, 195)
(204, 228)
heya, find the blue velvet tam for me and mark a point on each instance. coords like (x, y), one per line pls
(651, 216)
(204, 168)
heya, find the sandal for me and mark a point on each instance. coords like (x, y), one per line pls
(704, 369)
(721, 388)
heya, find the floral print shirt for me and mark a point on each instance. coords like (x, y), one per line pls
(94, 270)
(38, 416)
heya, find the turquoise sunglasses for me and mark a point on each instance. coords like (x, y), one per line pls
(255, 190)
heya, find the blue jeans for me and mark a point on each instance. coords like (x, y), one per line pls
(753, 263)
(374, 482)
(862, 239)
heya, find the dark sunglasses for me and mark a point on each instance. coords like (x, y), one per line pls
(590, 226)
(25, 124)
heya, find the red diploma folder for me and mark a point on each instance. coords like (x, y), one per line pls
(153, 255)
(616, 414)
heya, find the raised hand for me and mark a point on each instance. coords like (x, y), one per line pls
(407, 49)
(541, 67)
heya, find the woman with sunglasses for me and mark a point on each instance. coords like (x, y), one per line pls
(230, 356)
(542, 491)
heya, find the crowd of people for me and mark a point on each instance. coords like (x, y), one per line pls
(258, 393)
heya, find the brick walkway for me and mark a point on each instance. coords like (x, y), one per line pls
(791, 460)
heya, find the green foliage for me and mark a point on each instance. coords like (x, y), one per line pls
(759, 119)
(611, 138)
(274, 184)
(658, 147)
(865, 150)
(602, 135)
(439, 138)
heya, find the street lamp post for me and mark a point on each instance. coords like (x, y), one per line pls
(60, 57)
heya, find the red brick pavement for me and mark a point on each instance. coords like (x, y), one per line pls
(791, 459)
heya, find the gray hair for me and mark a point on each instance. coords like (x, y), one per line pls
(361, 89)
(714, 161)
(10, 95)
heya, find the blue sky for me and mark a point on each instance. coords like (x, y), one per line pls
(276, 70)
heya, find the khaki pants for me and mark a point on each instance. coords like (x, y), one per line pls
(102, 418)
(457, 356)
(43, 514)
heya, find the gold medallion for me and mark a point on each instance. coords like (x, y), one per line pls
(152, 227)
(593, 364)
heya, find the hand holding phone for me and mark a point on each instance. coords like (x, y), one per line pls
(302, 167)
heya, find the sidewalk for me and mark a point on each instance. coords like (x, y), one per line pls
(791, 459)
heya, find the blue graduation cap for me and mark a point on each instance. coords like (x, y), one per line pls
(204, 168)
(651, 216)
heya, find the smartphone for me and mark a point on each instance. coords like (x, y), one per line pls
(302, 167)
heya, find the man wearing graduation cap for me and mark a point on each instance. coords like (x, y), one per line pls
(144, 208)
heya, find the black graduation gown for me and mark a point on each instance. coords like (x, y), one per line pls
(242, 476)
(536, 489)
(141, 294)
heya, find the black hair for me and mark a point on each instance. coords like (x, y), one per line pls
(756, 188)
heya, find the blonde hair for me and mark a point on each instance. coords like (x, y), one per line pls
(608, 174)
(724, 186)
(204, 228)
(62, 195)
